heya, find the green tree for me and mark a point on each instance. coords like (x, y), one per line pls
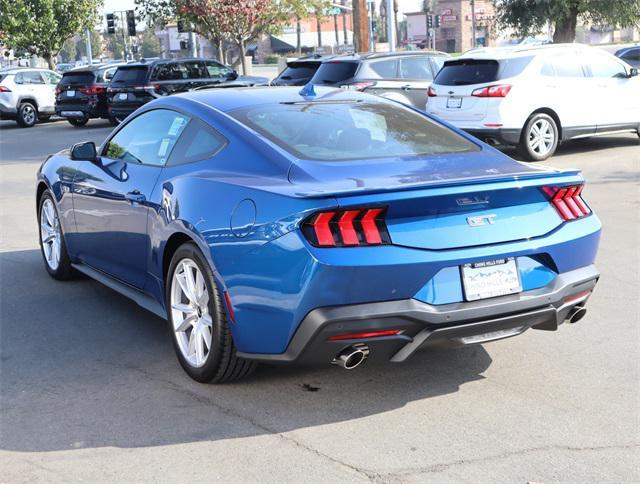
(114, 44)
(68, 51)
(529, 17)
(149, 44)
(42, 26)
(96, 44)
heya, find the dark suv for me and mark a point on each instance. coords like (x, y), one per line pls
(82, 93)
(300, 71)
(401, 76)
(136, 84)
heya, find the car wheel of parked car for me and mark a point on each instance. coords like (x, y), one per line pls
(52, 245)
(78, 122)
(198, 319)
(27, 115)
(539, 138)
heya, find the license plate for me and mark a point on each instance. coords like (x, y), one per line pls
(490, 279)
(71, 93)
(123, 96)
(72, 114)
(454, 102)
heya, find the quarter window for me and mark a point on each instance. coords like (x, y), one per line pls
(148, 138)
(385, 69)
(415, 68)
(198, 142)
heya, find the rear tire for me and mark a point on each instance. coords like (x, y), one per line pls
(78, 122)
(27, 115)
(52, 245)
(197, 315)
(539, 138)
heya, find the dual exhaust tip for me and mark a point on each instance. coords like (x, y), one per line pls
(576, 314)
(352, 357)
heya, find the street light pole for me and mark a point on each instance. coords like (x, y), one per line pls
(89, 51)
(473, 23)
(391, 32)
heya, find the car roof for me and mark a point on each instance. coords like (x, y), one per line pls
(14, 70)
(507, 52)
(236, 98)
(313, 59)
(353, 57)
(153, 62)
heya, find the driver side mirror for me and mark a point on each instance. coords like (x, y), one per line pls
(633, 72)
(84, 151)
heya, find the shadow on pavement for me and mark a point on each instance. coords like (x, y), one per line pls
(82, 366)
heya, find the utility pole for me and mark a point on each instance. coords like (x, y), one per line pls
(89, 51)
(192, 44)
(124, 35)
(344, 22)
(473, 23)
(360, 26)
(391, 31)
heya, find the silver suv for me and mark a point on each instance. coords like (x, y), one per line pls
(27, 95)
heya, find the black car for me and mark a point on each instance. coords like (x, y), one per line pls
(81, 94)
(300, 71)
(134, 85)
(401, 76)
(631, 55)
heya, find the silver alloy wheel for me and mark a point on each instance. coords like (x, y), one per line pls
(28, 114)
(50, 234)
(541, 137)
(192, 322)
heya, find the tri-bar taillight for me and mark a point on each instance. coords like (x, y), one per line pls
(567, 201)
(347, 228)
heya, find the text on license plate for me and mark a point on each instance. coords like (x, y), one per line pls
(454, 102)
(71, 93)
(490, 279)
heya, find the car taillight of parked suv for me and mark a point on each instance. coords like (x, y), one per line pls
(400, 76)
(134, 85)
(82, 94)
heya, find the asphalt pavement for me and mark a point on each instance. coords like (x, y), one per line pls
(90, 388)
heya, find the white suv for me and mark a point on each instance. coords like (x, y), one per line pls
(27, 95)
(536, 96)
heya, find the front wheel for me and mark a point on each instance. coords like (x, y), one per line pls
(78, 122)
(539, 138)
(52, 245)
(27, 115)
(198, 321)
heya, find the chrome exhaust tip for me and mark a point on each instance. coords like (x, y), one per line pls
(352, 357)
(576, 314)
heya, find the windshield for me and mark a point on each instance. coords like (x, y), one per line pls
(348, 130)
(130, 75)
(334, 72)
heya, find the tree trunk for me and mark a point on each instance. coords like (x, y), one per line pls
(298, 36)
(219, 50)
(319, 27)
(565, 28)
(243, 60)
(50, 61)
(335, 27)
(344, 24)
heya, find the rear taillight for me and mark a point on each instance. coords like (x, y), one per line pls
(347, 228)
(92, 90)
(365, 335)
(567, 201)
(58, 91)
(431, 92)
(500, 90)
(4, 89)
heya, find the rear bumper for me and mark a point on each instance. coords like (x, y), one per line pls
(503, 136)
(80, 111)
(424, 324)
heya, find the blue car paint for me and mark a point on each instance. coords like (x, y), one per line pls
(273, 275)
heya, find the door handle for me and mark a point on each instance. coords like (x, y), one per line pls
(406, 87)
(135, 196)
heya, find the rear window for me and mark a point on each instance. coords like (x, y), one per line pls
(334, 72)
(83, 78)
(345, 130)
(478, 71)
(299, 71)
(130, 75)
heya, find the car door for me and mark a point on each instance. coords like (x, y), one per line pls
(34, 86)
(617, 95)
(111, 196)
(417, 75)
(51, 80)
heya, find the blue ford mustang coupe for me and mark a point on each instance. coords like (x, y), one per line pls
(316, 226)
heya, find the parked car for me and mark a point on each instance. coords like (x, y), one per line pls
(300, 71)
(401, 76)
(631, 55)
(316, 227)
(27, 95)
(534, 97)
(82, 94)
(134, 85)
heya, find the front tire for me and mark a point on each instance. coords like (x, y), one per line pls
(78, 122)
(27, 115)
(539, 138)
(52, 245)
(198, 320)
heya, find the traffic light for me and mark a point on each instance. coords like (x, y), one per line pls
(131, 23)
(437, 21)
(111, 23)
(430, 21)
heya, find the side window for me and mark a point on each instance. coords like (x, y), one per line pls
(215, 69)
(415, 68)
(19, 78)
(632, 55)
(148, 138)
(567, 66)
(198, 142)
(51, 77)
(438, 62)
(385, 69)
(603, 66)
(179, 71)
(195, 70)
(32, 78)
(108, 74)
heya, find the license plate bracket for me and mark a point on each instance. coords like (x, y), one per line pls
(123, 96)
(71, 93)
(493, 278)
(454, 102)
